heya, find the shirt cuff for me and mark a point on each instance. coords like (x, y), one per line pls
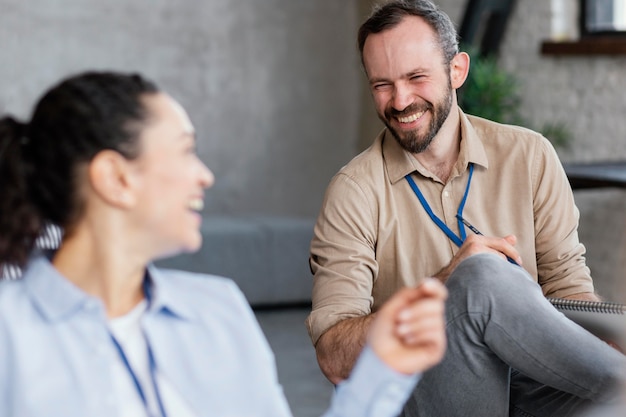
(373, 389)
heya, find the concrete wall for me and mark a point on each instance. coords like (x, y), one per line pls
(271, 85)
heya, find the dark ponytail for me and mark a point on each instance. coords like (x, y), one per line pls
(20, 222)
(39, 161)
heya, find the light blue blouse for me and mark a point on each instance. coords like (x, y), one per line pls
(56, 352)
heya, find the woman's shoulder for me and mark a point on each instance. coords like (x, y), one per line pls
(11, 291)
(200, 289)
(14, 303)
(194, 281)
(191, 278)
(214, 300)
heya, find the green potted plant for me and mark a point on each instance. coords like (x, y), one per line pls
(494, 94)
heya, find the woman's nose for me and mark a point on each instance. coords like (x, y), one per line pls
(206, 176)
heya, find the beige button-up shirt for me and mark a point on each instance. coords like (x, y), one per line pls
(373, 236)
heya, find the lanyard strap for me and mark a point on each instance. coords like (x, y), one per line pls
(151, 364)
(458, 240)
(138, 387)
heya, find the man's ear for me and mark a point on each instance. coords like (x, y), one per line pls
(109, 175)
(459, 69)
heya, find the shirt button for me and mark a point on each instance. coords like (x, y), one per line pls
(446, 194)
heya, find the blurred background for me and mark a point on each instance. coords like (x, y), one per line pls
(276, 92)
(278, 98)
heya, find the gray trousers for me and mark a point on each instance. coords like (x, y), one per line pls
(511, 353)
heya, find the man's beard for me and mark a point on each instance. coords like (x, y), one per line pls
(412, 141)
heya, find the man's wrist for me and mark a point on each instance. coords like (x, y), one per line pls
(443, 274)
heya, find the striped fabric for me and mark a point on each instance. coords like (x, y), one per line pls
(49, 239)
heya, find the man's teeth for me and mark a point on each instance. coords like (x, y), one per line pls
(411, 118)
(196, 204)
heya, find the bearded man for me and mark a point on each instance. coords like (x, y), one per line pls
(485, 208)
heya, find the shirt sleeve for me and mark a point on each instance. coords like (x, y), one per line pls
(343, 259)
(5, 371)
(269, 392)
(561, 265)
(373, 390)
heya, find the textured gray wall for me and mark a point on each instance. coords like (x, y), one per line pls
(585, 92)
(271, 85)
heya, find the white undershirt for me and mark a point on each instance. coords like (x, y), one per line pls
(127, 331)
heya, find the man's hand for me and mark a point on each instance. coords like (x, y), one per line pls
(474, 244)
(408, 332)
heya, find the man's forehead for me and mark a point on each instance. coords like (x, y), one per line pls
(411, 43)
(411, 30)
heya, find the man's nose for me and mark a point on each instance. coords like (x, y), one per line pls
(402, 98)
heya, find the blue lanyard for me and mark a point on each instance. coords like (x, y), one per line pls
(133, 375)
(458, 240)
(151, 364)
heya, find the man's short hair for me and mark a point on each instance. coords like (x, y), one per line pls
(388, 15)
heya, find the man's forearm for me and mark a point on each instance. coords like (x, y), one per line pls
(585, 296)
(339, 347)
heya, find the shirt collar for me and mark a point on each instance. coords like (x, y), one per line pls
(400, 162)
(164, 295)
(57, 298)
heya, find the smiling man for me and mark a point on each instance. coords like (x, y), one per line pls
(400, 212)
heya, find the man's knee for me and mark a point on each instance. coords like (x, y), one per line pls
(487, 274)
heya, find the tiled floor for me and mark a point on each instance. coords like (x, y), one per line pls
(306, 389)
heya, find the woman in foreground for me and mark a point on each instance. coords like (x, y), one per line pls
(94, 329)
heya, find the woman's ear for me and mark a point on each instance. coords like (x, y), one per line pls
(459, 69)
(109, 176)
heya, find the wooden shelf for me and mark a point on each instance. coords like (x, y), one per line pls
(601, 45)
